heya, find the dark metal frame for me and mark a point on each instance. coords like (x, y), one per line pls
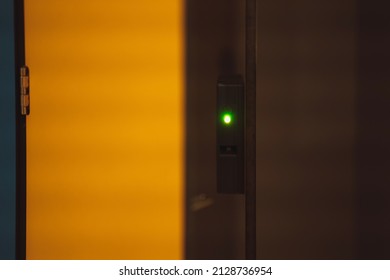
(250, 75)
(20, 134)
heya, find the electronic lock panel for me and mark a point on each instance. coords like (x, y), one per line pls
(230, 135)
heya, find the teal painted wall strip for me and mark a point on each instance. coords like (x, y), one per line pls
(7, 132)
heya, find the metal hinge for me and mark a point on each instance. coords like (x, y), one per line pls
(24, 90)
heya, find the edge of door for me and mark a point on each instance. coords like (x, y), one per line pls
(20, 247)
(250, 128)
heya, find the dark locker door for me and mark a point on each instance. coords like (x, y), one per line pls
(215, 46)
(322, 129)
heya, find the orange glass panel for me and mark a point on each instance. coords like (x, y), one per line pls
(105, 134)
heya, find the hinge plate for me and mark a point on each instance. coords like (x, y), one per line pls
(24, 90)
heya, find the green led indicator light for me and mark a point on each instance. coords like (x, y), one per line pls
(227, 119)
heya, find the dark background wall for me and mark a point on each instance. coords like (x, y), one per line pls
(323, 165)
(306, 126)
(7, 132)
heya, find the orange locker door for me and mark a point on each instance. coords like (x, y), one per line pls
(105, 133)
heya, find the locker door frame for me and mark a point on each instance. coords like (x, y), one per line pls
(250, 128)
(20, 135)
